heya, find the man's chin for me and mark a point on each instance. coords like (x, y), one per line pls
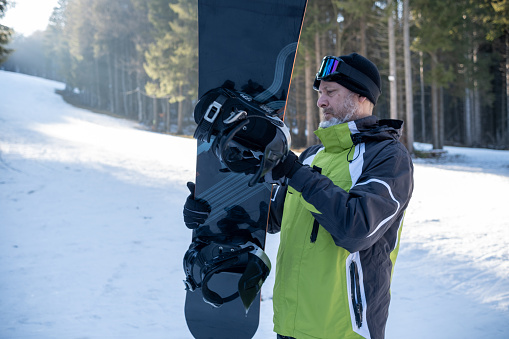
(332, 121)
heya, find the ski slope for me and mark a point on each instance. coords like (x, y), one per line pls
(92, 236)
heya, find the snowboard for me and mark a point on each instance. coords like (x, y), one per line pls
(246, 57)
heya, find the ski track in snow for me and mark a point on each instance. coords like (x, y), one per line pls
(92, 236)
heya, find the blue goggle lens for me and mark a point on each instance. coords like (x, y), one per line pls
(329, 66)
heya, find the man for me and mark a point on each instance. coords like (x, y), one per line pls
(340, 212)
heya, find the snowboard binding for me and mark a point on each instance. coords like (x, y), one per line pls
(205, 258)
(248, 136)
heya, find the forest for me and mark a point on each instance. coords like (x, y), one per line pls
(444, 63)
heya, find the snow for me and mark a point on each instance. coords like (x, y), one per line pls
(92, 236)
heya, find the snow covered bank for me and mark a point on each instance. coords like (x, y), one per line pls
(92, 237)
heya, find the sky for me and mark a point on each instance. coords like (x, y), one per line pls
(28, 16)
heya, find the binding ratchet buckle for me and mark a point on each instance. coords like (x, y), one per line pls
(205, 125)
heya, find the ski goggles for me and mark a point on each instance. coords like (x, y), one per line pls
(334, 66)
(329, 66)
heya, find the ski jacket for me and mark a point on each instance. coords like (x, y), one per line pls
(340, 224)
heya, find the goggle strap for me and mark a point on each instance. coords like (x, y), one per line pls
(359, 77)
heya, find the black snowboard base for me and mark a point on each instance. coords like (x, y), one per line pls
(233, 322)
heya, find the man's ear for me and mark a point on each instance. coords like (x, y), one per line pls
(361, 99)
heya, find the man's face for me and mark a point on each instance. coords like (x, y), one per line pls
(338, 104)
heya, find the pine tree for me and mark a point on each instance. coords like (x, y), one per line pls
(498, 21)
(436, 23)
(5, 33)
(56, 45)
(172, 61)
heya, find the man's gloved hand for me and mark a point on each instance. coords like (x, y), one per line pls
(241, 163)
(285, 169)
(196, 211)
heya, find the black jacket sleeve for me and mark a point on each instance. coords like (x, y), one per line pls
(358, 218)
(276, 208)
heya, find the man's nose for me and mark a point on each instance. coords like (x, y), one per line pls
(321, 102)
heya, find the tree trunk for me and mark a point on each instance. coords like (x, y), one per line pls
(97, 83)
(110, 83)
(180, 118)
(507, 85)
(476, 112)
(409, 98)
(423, 97)
(434, 116)
(441, 115)
(310, 102)
(477, 120)
(364, 48)
(318, 51)
(115, 85)
(300, 115)
(138, 96)
(168, 115)
(154, 113)
(124, 92)
(392, 64)
(468, 117)
(434, 106)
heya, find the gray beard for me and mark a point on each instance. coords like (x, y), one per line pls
(349, 109)
(331, 122)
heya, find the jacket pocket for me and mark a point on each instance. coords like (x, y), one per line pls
(314, 231)
(355, 294)
(356, 297)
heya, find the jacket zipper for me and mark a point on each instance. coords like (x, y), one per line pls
(355, 294)
(314, 232)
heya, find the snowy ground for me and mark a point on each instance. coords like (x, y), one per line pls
(92, 237)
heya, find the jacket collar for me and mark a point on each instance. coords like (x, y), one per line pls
(343, 136)
(335, 138)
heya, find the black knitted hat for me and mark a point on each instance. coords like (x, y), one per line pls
(364, 66)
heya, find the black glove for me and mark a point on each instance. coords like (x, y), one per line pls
(285, 169)
(240, 162)
(196, 211)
